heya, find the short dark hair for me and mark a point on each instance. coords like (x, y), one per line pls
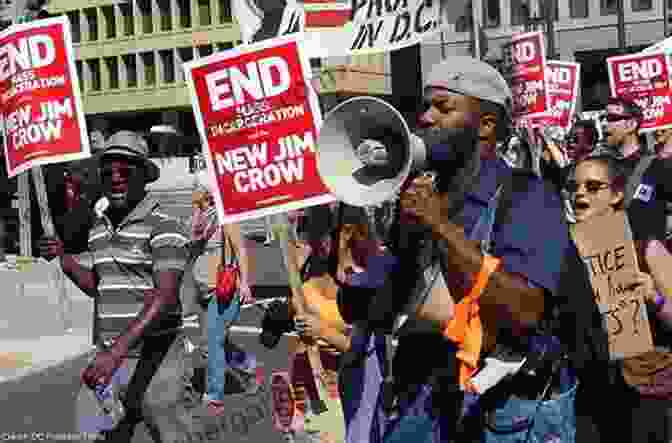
(587, 125)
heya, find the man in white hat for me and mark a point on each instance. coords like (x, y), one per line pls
(133, 268)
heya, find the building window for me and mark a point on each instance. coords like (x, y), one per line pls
(110, 21)
(578, 8)
(112, 67)
(94, 70)
(224, 46)
(642, 5)
(225, 11)
(131, 70)
(149, 68)
(608, 7)
(165, 15)
(205, 50)
(75, 26)
(80, 74)
(520, 12)
(167, 66)
(145, 11)
(491, 13)
(204, 12)
(127, 18)
(184, 11)
(185, 55)
(92, 23)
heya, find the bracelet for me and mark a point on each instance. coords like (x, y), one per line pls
(660, 301)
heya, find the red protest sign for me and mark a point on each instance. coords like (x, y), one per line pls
(258, 118)
(562, 79)
(40, 103)
(524, 68)
(646, 79)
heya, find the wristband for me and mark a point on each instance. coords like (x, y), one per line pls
(660, 301)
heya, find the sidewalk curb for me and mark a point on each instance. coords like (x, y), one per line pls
(24, 372)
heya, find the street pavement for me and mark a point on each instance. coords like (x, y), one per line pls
(40, 406)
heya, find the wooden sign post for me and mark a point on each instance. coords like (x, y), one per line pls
(607, 249)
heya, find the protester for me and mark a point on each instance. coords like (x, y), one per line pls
(581, 139)
(212, 240)
(649, 188)
(513, 301)
(597, 187)
(133, 268)
(663, 150)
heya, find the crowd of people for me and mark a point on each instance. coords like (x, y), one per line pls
(468, 318)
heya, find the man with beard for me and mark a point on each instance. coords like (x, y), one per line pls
(133, 268)
(515, 265)
(648, 189)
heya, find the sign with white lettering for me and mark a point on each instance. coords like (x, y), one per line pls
(562, 80)
(41, 113)
(258, 117)
(646, 79)
(524, 67)
(606, 246)
(336, 28)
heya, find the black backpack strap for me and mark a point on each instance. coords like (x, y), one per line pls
(636, 177)
(516, 183)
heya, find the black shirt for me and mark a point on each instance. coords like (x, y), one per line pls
(647, 210)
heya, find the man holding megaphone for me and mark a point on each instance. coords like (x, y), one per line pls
(479, 259)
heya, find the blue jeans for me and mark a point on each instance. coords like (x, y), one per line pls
(221, 354)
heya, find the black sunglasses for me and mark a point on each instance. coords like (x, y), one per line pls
(592, 186)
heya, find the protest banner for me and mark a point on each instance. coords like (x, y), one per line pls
(562, 80)
(524, 67)
(258, 119)
(607, 249)
(646, 79)
(335, 28)
(40, 104)
(663, 45)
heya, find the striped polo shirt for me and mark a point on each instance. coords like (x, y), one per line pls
(125, 261)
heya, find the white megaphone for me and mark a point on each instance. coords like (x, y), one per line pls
(366, 152)
(363, 124)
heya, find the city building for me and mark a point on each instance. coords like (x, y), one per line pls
(585, 31)
(130, 55)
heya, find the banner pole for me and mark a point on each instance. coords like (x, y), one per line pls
(25, 232)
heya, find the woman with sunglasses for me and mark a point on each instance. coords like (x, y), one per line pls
(596, 186)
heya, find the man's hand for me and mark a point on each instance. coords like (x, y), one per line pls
(51, 248)
(102, 368)
(308, 326)
(422, 201)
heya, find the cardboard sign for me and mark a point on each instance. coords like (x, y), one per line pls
(524, 68)
(606, 246)
(645, 78)
(40, 104)
(335, 28)
(258, 119)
